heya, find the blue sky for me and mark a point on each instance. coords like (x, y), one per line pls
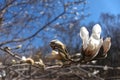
(96, 7)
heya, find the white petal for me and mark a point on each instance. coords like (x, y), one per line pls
(84, 34)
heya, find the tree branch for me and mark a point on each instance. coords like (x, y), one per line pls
(33, 35)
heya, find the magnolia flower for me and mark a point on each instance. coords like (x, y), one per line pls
(91, 46)
(61, 52)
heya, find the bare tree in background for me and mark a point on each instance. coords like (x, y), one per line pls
(31, 22)
(111, 27)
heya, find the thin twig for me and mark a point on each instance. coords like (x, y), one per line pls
(99, 66)
(10, 53)
(52, 67)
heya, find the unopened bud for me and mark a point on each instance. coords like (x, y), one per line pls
(19, 46)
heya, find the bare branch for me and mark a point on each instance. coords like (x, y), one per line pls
(4, 9)
(39, 30)
(100, 67)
